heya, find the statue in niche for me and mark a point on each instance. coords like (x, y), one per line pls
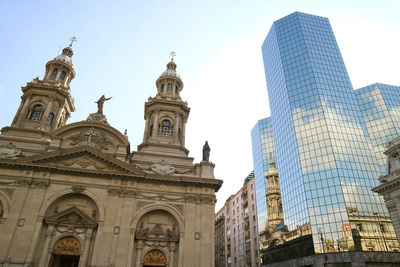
(206, 152)
(100, 103)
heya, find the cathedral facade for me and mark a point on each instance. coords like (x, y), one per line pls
(75, 195)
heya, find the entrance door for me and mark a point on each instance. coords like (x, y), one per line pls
(155, 258)
(66, 252)
(64, 261)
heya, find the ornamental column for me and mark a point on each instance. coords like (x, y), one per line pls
(46, 249)
(139, 249)
(88, 238)
(177, 117)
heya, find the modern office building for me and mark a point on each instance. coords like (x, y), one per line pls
(241, 233)
(380, 107)
(326, 162)
(263, 148)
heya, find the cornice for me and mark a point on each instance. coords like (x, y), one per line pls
(387, 187)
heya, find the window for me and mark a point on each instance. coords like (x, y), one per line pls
(54, 74)
(151, 130)
(176, 90)
(169, 88)
(50, 119)
(162, 88)
(252, 197)
(165, 127)
(252, 207)
(254, 218)
(251, 186)
(36, 111)
(62, 75)
(179, 134)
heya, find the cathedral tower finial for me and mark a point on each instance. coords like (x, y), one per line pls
(72, 39)
(172, 54)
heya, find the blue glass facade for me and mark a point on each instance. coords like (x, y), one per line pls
(380, 107)
(263, 146)
(326, 163)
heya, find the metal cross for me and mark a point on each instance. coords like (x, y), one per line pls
(90, 134)
(172, 54)
(72, 39)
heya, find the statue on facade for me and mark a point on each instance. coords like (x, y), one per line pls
(100, 103)
(206, 152)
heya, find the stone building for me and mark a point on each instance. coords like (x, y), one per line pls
(390, 184)
(241, 233)
(220, 237)
(75, 195)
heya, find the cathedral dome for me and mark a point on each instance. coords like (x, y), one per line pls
(66, 55)
(171, 70)
(65, 58)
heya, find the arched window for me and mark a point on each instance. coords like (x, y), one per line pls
(179, 134)
(62, 75)
(162, 88)
(169, 88)
(50, 119)
(36, 111)
(54, 74)
(165, 127)
(151, 130)
(176, 90)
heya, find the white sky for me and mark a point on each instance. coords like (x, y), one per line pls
(123, 46)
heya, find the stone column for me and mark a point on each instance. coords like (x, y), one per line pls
(155, 123)
(88, 238)
(139, 249)
(181, 244)
(57, 117)
(23, 111)
(183, 131)
(44, 258)
(146, 128)
(130, 250)
(171, 254)
(46, 114)
(177, 117)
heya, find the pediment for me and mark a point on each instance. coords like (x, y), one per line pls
(82, 159)
(71, 217)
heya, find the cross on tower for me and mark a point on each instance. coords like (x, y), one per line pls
(172, 54)
(72, 39)
(90, 134)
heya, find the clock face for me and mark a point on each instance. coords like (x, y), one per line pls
(155, 258)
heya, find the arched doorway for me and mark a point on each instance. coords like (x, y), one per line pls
(154, 258)
(66, 252)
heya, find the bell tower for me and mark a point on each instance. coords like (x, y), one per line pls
(273, 194)
(46, 104)
(166, 115)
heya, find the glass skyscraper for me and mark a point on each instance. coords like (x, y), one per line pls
(326, 162)
(263, 152)
(380, 107)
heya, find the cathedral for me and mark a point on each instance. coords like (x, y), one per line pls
(76, 195)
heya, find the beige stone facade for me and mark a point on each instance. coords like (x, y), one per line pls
(75, 195)
(241, 230)
(390, 184)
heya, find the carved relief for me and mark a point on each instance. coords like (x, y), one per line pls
(10, 151)
(90, 138)
(162, 167)
(122, 192)
(8, 191)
